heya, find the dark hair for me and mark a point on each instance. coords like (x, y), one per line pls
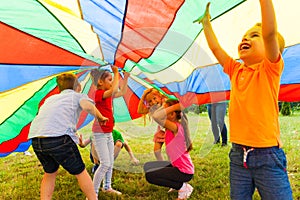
(171, 102)
(184, 122)
(99, 75)
(66, 81)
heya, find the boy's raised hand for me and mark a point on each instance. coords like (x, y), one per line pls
(205, 17)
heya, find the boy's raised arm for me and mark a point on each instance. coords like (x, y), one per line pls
(269, 30)
(211, 38)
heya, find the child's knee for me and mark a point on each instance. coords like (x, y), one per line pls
(119, 144)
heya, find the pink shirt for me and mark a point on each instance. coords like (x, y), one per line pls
(177, 152)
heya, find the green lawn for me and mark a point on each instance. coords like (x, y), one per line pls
(20, 175)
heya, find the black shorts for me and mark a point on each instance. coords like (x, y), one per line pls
(55, 151)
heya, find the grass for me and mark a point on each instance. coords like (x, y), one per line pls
(20, 175)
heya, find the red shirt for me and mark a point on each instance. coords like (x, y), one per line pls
(105, 108)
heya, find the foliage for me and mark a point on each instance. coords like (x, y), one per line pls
(286, 109)
(196, 109)
(21, 175)
(295, 106)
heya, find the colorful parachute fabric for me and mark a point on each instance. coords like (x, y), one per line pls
(155, 40)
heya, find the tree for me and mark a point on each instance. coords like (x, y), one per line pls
(286, 109)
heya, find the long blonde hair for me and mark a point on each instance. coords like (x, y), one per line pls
(153, 91)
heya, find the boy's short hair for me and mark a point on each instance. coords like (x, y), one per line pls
(280, 39)
(66, 81)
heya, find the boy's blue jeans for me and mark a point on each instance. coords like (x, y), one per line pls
(264, 169)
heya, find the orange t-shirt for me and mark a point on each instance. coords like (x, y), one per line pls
(253, 106)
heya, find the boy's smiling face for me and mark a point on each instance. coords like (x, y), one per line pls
(252, 46)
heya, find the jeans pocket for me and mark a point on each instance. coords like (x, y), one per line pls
(279, 158)
(236, 157)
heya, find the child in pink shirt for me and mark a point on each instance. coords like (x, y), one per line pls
(180, 169)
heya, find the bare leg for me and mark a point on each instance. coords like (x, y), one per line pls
(117, 149)
(86, 185)
(157, 151)
(47, 185)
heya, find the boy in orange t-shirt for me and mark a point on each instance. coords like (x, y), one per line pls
(256, 157)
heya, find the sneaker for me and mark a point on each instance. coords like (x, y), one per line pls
(112, 191)
(185, 191)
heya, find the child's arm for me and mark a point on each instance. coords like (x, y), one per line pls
(142, 108)
(211, 38)
(132, 157)
(115, 83)
(269, 30)
(123, 87)
(160, 116)
(89, 107)
(82, 143)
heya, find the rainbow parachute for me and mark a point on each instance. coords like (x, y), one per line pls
(155, 40)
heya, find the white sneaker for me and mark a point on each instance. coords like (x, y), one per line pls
(185, 191)
(112, 191)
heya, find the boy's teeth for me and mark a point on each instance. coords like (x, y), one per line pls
(245, 46)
